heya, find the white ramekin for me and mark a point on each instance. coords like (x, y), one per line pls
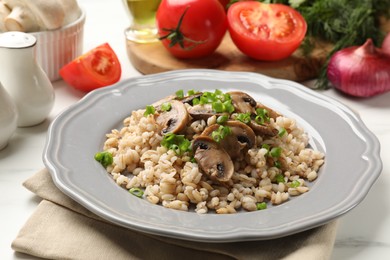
(58, 47)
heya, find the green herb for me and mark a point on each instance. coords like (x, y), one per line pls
(222, 119)
(149, 110)
(220, 102)
(137, 192)
(278, 164)
(261, 205)
(342, 22)
(166, 106)
(221, 133)
(180, 94)
(282, 132)
(276, 152)
(244, 117)
(295, 184)
(262, 116)
(177, 143)
(105, 158)
(279, 178)
(267, 147)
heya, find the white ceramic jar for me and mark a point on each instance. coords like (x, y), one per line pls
(8, 117)
(25, 81)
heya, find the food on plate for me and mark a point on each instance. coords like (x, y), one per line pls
(191, 28)
(37, 15)
(211, 152)
(266, 32)
(97, 68)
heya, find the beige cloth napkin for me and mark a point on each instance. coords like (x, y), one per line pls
(60, 228)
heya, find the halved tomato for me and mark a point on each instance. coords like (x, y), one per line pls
(266, 31)
(97, 68)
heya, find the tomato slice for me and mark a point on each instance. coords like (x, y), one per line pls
(97, 68)
(266, 31)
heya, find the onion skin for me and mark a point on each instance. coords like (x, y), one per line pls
(386, 44)
(360, 71)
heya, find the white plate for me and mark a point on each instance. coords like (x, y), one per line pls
(352, 162)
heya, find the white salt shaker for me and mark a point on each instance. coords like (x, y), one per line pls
(25, 81)
(8, 117)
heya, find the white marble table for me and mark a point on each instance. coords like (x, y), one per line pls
(363, 233)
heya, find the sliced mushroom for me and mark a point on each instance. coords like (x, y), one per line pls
(164, 100)
(189, 99)
(272, 113)
(242, 102)
(199, 112)
(263, 130)
(242, 136)
(212, 159)
(174, 120)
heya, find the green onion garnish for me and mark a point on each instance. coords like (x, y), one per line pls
(282, 131)
(222, 119)
(137, 192)
(295, 184)
(244, 118)
(221, 133)
(276, 152)
(149, 110)
(166, 106)
(261, 205)
(177, 143)
(279, 178)
(105, 158)
(262, 116)
(180, 94)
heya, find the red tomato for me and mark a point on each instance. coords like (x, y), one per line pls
(191, 28)
(224, 3)
(266, 31)
(97, 68)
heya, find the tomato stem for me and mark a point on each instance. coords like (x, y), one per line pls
(175, 36)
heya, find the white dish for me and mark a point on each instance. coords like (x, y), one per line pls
(352, 162)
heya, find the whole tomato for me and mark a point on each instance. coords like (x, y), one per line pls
(266, 31)
(191, 28)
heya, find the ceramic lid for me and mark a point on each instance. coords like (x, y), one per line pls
(17, 40)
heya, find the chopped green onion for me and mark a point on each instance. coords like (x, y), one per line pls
(278, 164)
(137, 192)
(191, 92)
(221, 133)
(180, 94)
(279, 178)
(244, 118)
(282, 131)
(105, 158)
(195, 101)
(276, 152)
(178, 143)
(262, 116)
(149, 110)
(222, 119)
(166, 106)
(266, 146)
(295, 184)
(218, 106)
(261, 205)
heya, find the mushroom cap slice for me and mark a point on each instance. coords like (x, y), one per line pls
(242, 102)
(212, 159)
(199, 112)
(241, 136)
(174, 120)
(263, 130)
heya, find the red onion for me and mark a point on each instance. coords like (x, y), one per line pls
(361, 71)
(386, 44)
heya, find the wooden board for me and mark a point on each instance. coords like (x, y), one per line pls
(153, 58)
